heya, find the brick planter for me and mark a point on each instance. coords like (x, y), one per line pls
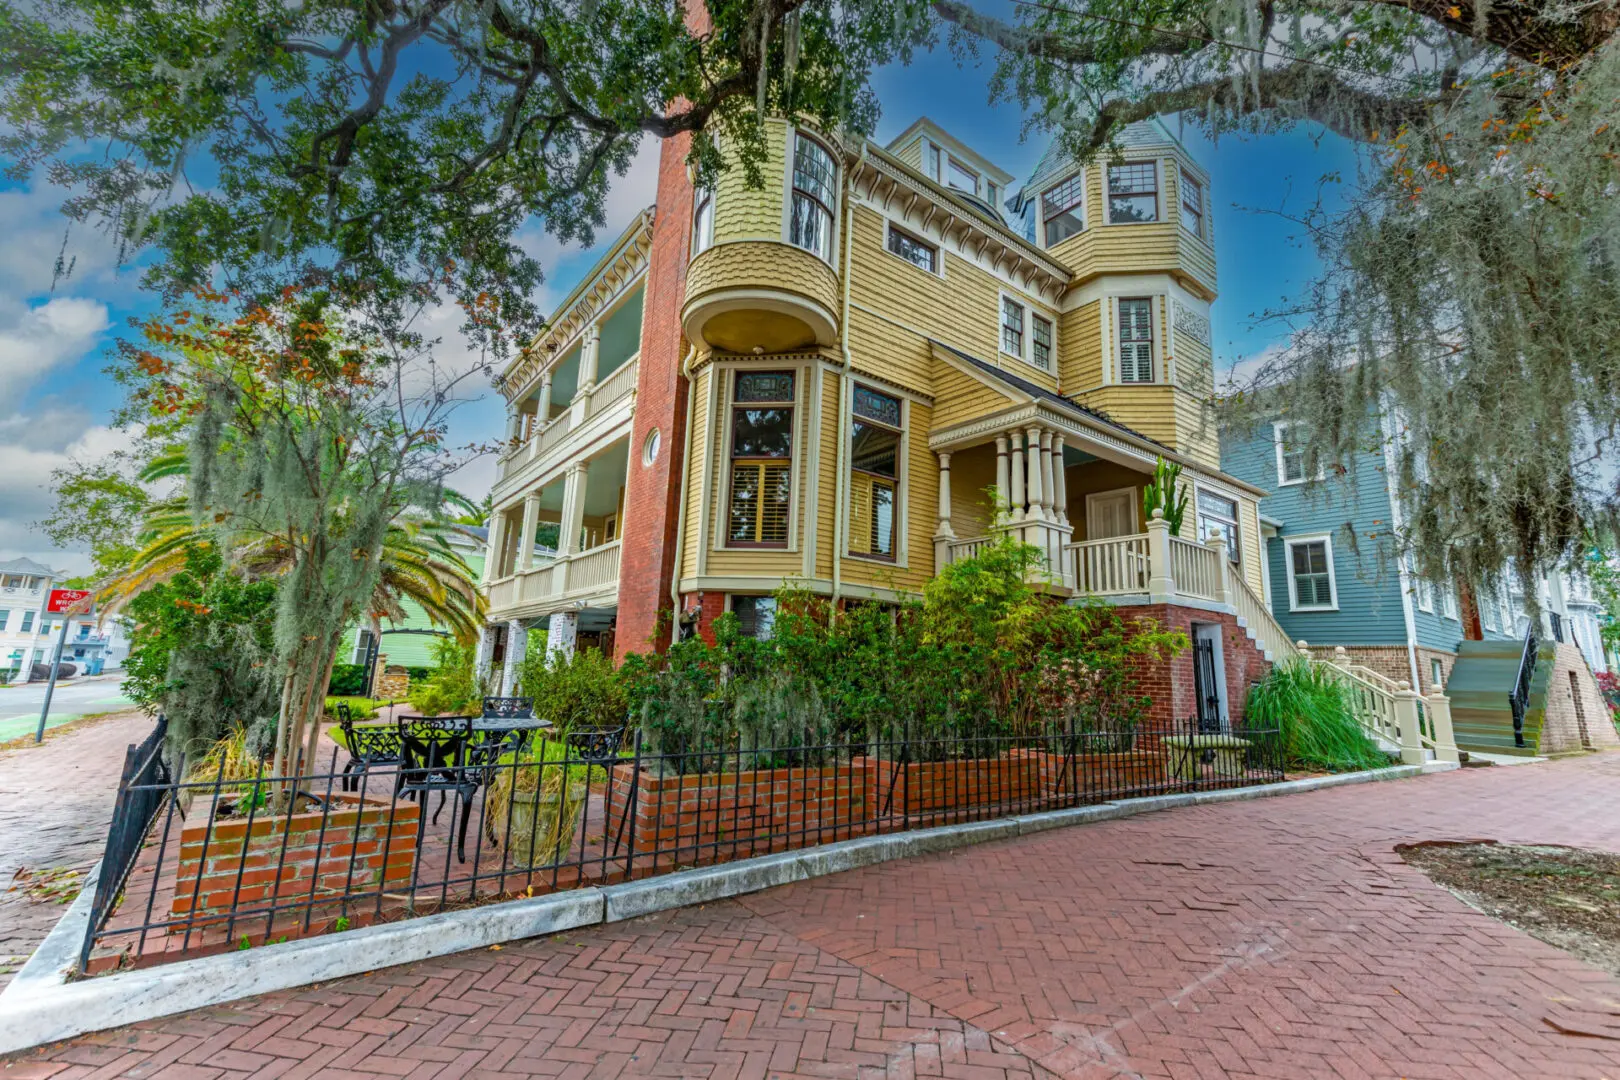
(1096, 776)
(231, 870)
(930, 786)
(739, 814)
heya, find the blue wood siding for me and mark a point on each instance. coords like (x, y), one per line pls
(1368, 587)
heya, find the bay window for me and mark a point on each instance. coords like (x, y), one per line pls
(815, 194)
(761, 460)
(1063, 209)
(1133, 193)
(875, 474)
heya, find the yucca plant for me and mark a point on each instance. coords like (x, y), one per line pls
(1311, 708)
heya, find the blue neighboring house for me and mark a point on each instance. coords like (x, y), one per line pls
(1331, 579)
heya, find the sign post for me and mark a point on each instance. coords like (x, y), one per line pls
(66, 603)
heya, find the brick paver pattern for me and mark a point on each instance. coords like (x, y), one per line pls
(1282, 937)
(55, 799)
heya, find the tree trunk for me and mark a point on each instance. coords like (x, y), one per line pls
(316, 702)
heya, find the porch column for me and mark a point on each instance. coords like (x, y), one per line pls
(1060, 479)
(1016, 510)
(1032, 456)
(1048, 483)
(573, 515)
(561, 633)
(531, 521)
(942, 533)
(1003, 474)
(514, 425)
(492, 552)
(1222, 587)
(1406, 715)
(542, 414)
(517, 643)
(1161, 586)
(590, 353)
(486, 649)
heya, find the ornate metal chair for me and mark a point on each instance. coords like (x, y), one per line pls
(598, 748)
(368, 747)
(437, 754)
(508, 708)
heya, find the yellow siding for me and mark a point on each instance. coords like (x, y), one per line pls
(1195, 370)
(959, 397)
(972, 471)
(1112, 249)
(762, 263)
(912, 154)
(1253, 546)
(1080, 348)
(744, 214)
(905, 305)
(1196, 433)
(827, 482)
(1144, 408)
(702, 452)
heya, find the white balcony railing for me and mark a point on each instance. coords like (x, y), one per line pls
(1196, 569)
(1111, 567)
(614, 387)
(595, 568)
(589, 571)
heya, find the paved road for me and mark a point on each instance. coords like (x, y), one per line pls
(55, 802)
(1282, 937)
(19, 705)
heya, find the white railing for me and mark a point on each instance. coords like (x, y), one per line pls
(1394, 713)
(503, 593)
(1196, 569)
(1261, 622)
(594, 568)
(615, 386)
(1111, 567)
(538, 583)
(971, 547)
(554, 433)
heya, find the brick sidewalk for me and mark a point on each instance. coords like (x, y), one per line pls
(1275, 938)
(55, 802)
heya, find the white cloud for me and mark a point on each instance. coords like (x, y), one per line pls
(26, 464)
(37, 235)
(44, 337)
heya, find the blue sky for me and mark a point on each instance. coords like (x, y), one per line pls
(55, 403)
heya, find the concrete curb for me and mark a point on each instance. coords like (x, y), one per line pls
(41, 1005)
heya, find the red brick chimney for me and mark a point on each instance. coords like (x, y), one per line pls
(652, 496)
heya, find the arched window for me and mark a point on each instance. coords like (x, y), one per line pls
(815, 195)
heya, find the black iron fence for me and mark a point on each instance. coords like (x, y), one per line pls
(459, 817)
(143, 785)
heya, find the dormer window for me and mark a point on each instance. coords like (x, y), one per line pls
(961, 177)
(1133, 193)
(815, 194)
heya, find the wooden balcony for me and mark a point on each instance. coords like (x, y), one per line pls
(557, 440)
(590, 576)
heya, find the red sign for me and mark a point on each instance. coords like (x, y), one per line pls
(68, 602)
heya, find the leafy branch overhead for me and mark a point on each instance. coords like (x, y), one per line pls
(388, 151)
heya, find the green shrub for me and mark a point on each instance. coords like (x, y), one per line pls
(1311, 708)
(578, 690)
(359, 708)
(348, 680)
(454, 686)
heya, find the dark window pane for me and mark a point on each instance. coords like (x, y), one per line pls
(876, 450)
(765, 386)
(761, 433)
(912, 250)
(875, 406)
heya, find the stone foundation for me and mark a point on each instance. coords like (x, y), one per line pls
(1577, 717)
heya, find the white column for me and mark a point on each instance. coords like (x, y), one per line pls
(517, 643)
(531, 521)
(492, 549)
(1060, 479)
(542, 413)
(1161, 586)
(514, 425)
(1032, 456)
(1048, 485)
(943, 535)
(573, 515)
(1406, 715)
(1017, 509)
(561, 633)
(1438, 706)
(590, 354)
(1003, 473)
(1217, 544)
(486, 649)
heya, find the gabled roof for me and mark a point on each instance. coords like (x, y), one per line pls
(1034, 390)
(26, 566)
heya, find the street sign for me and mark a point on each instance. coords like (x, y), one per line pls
(68, 602)
(61, 602)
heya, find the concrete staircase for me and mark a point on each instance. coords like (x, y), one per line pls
(1480, 682)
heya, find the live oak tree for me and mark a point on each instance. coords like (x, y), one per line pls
(1468, 310)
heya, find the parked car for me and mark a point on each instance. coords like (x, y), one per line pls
(63, 671)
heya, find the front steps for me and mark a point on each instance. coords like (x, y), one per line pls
(1481, 680)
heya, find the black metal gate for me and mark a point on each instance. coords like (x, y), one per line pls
(1206, 686)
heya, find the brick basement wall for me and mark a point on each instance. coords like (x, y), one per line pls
(1392, 662)
(1171, 683)
(1577, 717)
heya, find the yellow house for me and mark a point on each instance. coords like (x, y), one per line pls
(831, 381)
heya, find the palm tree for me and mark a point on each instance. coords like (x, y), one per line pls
(419, 565)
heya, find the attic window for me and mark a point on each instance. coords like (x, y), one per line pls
(1133, 193)
(961, 178)
(1063, 209)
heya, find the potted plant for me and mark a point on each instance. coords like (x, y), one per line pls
(534, 804)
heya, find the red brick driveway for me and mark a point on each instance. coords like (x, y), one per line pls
(1276, 938)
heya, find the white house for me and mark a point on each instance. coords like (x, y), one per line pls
(28, 634)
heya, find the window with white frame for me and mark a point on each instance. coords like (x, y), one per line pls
(961, 177)
(1136, 340)
(815, 195)
(702, 221)
(1218, 516)
(1310, 574)
(919, 253)
(1040, 342)
(756, 615)
(874, 474)
(1425, 595)
(761, 460)
(1063, 209)
(1448, 602)
(1192, 204)
(1133, 193)
(1012, 327)
(1290, 443)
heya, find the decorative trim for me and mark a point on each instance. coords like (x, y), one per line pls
(1184, 320)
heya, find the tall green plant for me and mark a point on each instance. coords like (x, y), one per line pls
(1164, 492)
(1311, 708)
